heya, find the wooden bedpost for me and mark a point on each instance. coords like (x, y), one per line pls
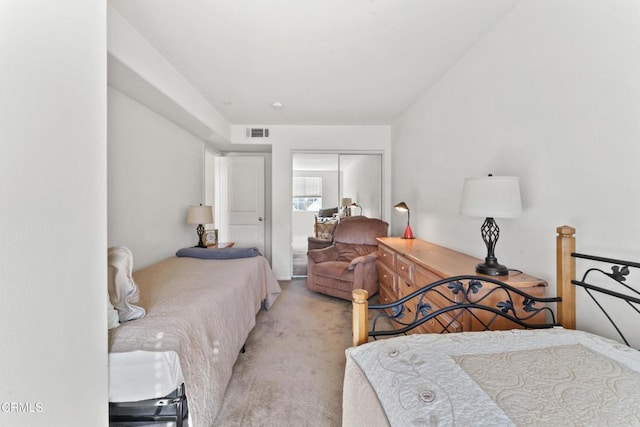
(566, 272)
(360, 320)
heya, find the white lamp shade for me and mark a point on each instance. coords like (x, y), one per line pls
(200, 215)
(346, 201)
(491, 197)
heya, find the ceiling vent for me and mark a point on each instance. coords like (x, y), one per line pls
(257, 133)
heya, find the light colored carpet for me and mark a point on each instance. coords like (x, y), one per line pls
(293, 368)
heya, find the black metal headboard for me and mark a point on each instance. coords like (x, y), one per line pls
(462, 303)
(614, 284)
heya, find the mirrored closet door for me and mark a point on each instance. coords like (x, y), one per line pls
(327, 186)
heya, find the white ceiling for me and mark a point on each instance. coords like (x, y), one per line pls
(330, 62)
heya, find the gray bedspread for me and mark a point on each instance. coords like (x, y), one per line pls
(204, 311)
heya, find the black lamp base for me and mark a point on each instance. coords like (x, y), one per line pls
(490, 267)
(200, 231)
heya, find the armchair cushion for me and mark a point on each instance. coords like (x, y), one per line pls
(333, 270)
(327, 254)
(347, 252)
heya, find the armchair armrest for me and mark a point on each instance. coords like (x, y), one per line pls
(364, 259)
(323, 255)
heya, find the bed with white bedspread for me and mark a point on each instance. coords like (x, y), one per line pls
(547, 374)
(199, 313)
(521, 377)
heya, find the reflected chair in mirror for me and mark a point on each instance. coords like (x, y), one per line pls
(325, 223)
(350, 261)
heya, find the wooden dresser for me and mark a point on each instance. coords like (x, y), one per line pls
(405, 265)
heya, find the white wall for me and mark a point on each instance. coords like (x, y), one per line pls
(302, 224)
(53, 213)
(289, 139)
(361, 180)
(155, 172)
(550, 95)
(330, 197)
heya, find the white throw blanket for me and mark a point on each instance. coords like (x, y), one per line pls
(204, 311)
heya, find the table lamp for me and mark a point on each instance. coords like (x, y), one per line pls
(355, 205)
(200, 215)
(491, 197)
(346, 202)
(402, 207)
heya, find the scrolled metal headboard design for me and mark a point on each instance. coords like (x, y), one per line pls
(620, 271)
(466, 297)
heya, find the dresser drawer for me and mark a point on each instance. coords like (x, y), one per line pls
(405, 287)
(424, 277)
(482, 318)
(385, 297)
(404, 267)
(387, 256)
(432, 326)
(436, 325)
(388, 279)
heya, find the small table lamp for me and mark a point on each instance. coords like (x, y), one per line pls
(200, 215)
(491, 197)
(402, 207)
(346, 202)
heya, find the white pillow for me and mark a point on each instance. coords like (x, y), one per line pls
(112, 315)
(123, 291)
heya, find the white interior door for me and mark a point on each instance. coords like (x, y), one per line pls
(243, 187)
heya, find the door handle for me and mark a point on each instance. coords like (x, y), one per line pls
(260, 219)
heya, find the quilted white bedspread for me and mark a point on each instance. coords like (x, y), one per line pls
(545, 377)
(204, 311)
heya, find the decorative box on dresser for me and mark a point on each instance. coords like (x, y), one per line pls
(405, 265)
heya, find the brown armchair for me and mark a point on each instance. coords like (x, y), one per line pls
(350, 262)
